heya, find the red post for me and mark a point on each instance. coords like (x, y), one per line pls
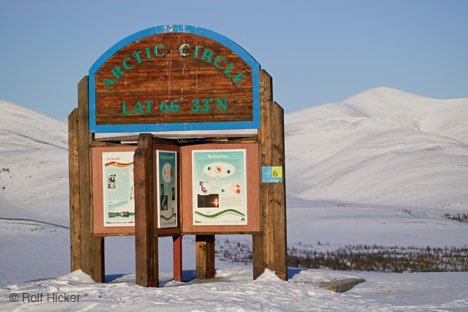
(177, 257)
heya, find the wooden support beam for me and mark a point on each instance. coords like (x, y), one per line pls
(177, 257)
(269, 248)
(258, 258)
(146, 242)
(205, 256)
(260, 253)
(74, 186)
(277, 196)
(92, 248)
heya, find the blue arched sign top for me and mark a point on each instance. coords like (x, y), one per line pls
(174, 82)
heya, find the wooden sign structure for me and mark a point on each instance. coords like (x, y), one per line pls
(174, 77)
(159, 80)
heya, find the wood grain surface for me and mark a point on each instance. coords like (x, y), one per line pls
(170, 67)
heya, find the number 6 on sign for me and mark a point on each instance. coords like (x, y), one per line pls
(272, 174)
(277, 172)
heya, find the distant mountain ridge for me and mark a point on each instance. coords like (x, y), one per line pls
(442, 117)
(381, 146)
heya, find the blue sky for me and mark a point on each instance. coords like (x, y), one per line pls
(317, 51)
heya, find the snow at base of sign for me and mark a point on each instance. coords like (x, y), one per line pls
(268, 276)
(234, 290)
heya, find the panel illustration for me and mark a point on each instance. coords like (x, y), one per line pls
(219, 187)
(118, 195)
(167, 188)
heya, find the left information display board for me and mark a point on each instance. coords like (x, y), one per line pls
(113, 190)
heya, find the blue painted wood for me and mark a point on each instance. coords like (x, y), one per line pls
(254, 65)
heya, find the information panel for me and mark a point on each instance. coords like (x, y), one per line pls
(113, 190)
(219, 187)
(167, 188)
(119, 203)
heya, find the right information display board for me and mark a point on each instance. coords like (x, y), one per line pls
(219, 187)
(221, 194)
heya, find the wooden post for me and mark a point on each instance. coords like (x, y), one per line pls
(277, 193)
(205, 256)
(177, 257)
(270, 247)
(258, 258)
(146, 242)
(74, 186)
(91, 247)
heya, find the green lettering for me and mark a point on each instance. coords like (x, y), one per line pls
(207, 54)
(196, 106)
(125, 65)
(163, 107)
(148, 105)
(195, 52)
(139, 107)
(117, 72)
(181, 49)
(158, 46)
(221, 103)
(124, 108)
(216, 64)
(239, 79)
(109, 82)
(136, 55)
(228, 69)
(175, 105)
(148, 53)
(206, 105)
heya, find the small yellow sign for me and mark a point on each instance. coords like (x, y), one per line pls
(277, 172)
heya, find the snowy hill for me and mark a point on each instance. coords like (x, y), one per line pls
(382, 146)
(25, 129)
(33, 165)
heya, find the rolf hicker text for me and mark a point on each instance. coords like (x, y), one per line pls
(44, 297)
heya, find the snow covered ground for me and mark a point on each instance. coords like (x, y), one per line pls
(235, 291)
(32, 250)
(338, 223)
